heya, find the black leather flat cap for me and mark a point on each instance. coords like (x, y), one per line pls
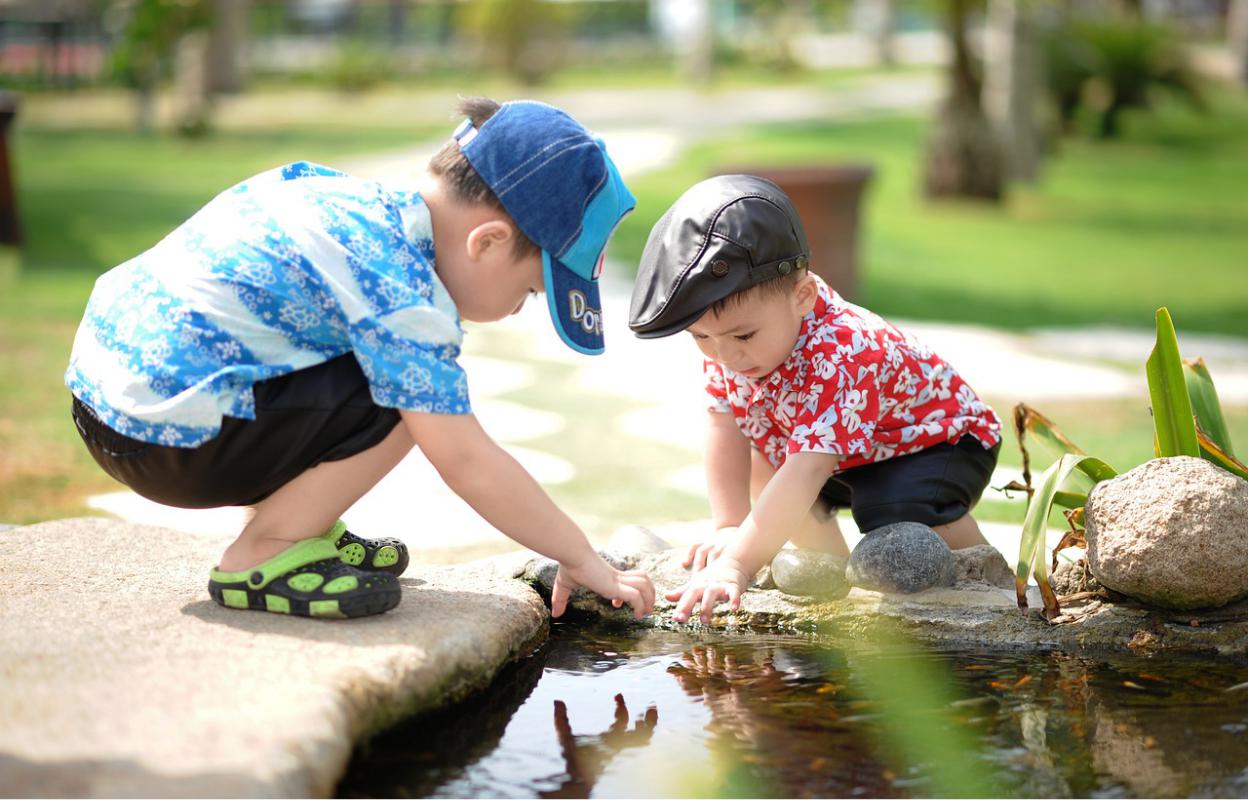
(723, 235)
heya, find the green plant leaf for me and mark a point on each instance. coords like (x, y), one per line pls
(1031, 548)
(1204, 398)
(1167, 388)
(1030, 423)
(1212, 453)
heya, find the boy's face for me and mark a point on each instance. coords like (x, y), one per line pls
(756, 336)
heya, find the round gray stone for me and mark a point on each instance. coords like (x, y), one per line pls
(808, 573)
(903, 557)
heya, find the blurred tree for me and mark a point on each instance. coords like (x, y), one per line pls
(226, 44)
(151, 30)
(877, 19)
(518, 36)
(963, 155)
(1012, 84)
(1109, 65)
(1237, 34)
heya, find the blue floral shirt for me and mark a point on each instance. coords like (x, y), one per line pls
(289, 269)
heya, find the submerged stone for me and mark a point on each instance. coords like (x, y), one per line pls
(904, 557)
(1173, 532)
(808, 573)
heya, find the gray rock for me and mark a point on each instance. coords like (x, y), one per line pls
(635, 541)
(982, 563)
(763, 579)
(904, 557)
(1073, 577)
(1173, 532)
(808, 573)
(123, 679)
(541, 572)
(972, 615)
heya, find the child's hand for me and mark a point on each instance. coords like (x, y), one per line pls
(632, 587)
(702, 553)
(723, 580)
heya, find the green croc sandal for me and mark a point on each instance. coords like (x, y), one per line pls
(308, 580)
(381, 555)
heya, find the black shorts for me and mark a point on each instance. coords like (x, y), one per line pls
(934, 486)
(322, 413)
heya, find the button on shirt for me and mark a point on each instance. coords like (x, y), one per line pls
(854, 386)
(287, 270)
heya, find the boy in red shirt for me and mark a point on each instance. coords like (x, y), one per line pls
(817, 404)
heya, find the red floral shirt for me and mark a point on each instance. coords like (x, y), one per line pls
(853, 386)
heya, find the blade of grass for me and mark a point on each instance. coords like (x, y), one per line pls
(1167, 388)
(1204, 398)
(1031, 548)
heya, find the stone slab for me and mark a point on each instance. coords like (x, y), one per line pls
(120, 677)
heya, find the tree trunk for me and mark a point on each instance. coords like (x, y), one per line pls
(1237, 36)
(226, 45)
(192, 100)
(878, 20)
(1011, 86)
(963, 156)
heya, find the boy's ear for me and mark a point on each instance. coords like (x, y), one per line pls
(806, 293)
(489, 239)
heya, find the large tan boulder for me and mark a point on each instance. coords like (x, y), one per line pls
(1172, 532)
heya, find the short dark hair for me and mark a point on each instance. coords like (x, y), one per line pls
(780, 285)
(456, 172)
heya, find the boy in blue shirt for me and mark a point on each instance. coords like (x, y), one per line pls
(285, 347)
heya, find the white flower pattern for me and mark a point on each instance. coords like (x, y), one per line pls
(854, 386)
(248, 289)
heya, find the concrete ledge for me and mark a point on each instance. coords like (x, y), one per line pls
(122, 678)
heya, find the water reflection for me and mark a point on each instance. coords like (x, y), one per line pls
(678, 714)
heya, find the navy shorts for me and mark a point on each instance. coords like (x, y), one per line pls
(934, 486)
(322, 413)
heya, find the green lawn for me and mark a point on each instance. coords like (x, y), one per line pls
(1111, 232)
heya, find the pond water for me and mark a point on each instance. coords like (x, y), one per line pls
(665, 713)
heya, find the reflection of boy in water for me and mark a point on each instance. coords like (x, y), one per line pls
(778, 724)
(588, 755)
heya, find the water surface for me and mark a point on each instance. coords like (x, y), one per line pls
(679, 714)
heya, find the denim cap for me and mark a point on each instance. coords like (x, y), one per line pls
(558, 184)
(722, 236)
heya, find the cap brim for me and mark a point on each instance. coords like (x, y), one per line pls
(575, 307)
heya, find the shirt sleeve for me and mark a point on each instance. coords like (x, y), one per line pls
(716, 387)
(839, 406)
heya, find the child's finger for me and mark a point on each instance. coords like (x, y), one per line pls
(710, 598)
(734, 598)
(689, 556)
(642, 583)
(685, 607)
(558, 599)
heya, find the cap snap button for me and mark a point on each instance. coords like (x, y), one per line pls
(785, 268)
(256, 578)
(719, 268)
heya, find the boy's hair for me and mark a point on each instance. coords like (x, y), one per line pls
(780, 285)
(453, 169)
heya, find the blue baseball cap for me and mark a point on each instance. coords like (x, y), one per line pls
(558, 184)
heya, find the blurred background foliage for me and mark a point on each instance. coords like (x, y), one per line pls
(1036, 162)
